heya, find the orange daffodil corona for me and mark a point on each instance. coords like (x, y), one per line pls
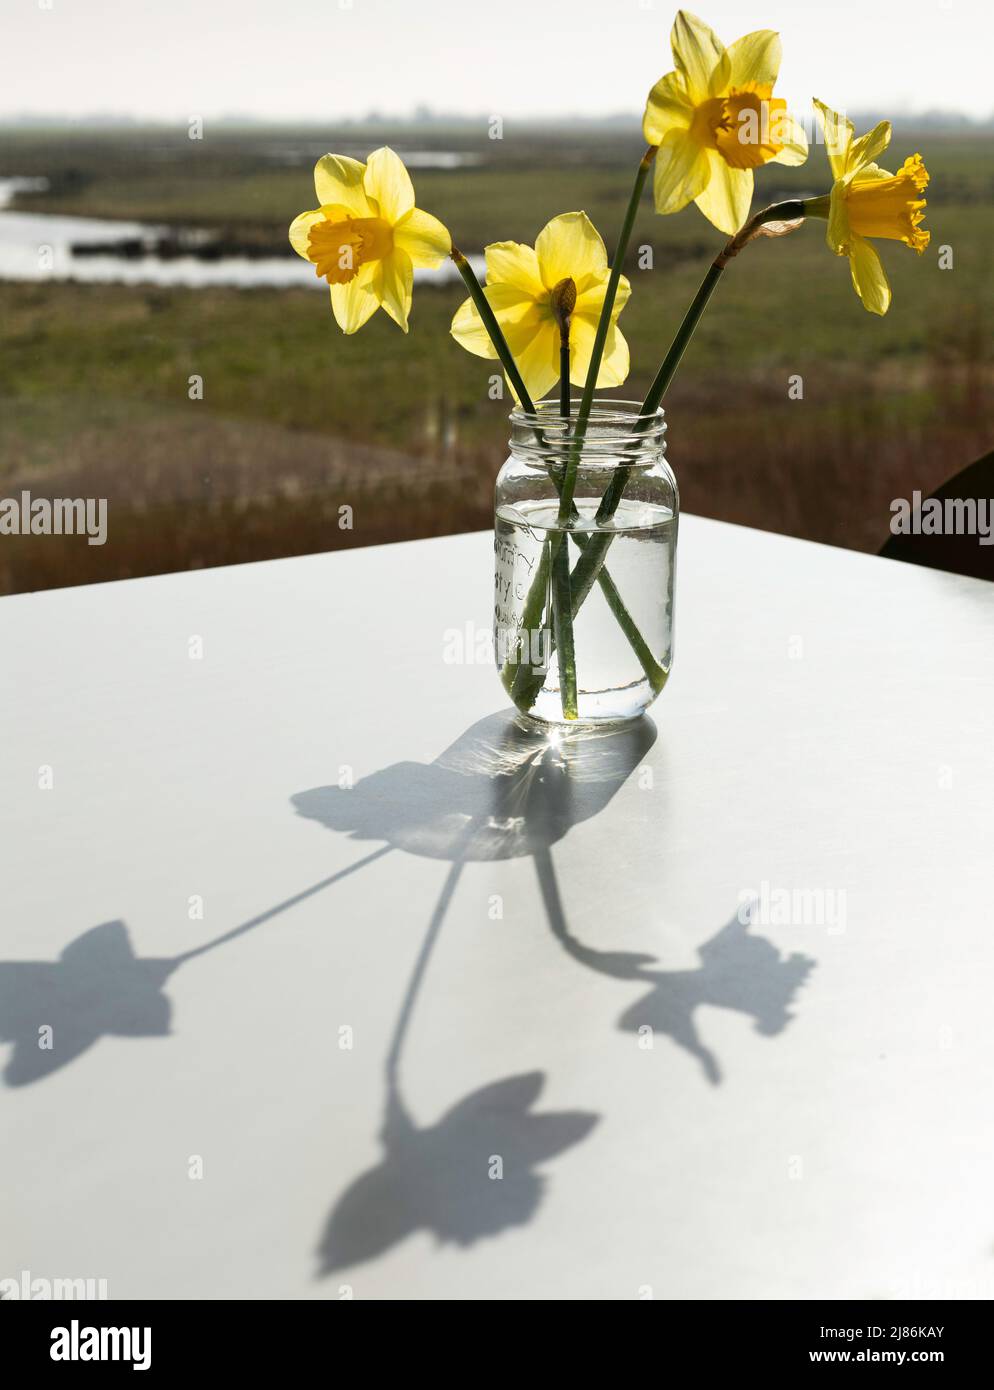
(715, 120)
(367, 237)
(524, 289)
(866, 201)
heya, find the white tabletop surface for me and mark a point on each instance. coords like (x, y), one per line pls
(575, 1070)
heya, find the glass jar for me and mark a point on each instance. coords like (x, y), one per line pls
(607, 554)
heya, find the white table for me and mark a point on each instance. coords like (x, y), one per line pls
(815, 1116)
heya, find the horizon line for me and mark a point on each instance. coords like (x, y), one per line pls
(425, 118)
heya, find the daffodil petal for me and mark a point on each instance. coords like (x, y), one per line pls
(355, 303)
(868, 174)
(869, 280)
(513, 263)
(865, 150)
(468, 331)
(510, 305)
(338, 181)
(389, 184)
(681, 172)
(838, 137)
(300, 230)
(837, 232)
(614, 363)
(727, 196)
(588, 304)
(535, 349)
(424, 239)
(667, 108)
(721, 76)
(789, 133)
(569, 245)
(394, 285)
(622, 294)
(697, 51)
(755, 58)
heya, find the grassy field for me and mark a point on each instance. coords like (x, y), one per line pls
(298, 420)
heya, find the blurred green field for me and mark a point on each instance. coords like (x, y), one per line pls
(297, 420)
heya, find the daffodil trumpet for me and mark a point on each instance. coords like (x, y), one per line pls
(866, 202)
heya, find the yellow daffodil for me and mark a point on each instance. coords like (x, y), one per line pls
(866, 201)
(367, 237)
(715, 120)
(527, 288)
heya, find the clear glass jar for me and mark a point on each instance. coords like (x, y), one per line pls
(619, 536)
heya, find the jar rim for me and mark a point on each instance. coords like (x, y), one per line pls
(545, 436)
(601, 408)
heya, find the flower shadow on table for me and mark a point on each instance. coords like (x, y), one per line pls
(439, 1178)
(97, 987)
(738, 971)
(53, 1011)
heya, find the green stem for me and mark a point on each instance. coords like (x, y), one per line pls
(603, 326)
(777, 212)
(562, 619)
(564, 400)
(562, 605)
(589, 565)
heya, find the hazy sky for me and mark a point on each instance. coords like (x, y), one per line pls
(325, 59)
